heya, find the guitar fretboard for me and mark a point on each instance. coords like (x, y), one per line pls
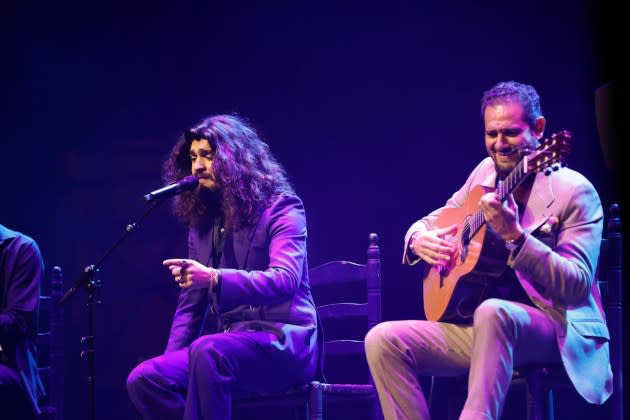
(505, 188)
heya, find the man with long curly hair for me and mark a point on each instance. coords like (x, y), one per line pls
(245, 320)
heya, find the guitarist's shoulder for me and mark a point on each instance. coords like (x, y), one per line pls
(486, 164)
(573, 186)
(570, 178)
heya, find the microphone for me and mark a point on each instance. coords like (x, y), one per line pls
(185, 184)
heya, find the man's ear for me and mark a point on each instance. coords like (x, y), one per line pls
(539, 127)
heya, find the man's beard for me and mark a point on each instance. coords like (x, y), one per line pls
(210, 209)
(503, 172)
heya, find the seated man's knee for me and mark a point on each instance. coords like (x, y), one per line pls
(140, 375)
(378, 339)
(492, 312)
(205, 353)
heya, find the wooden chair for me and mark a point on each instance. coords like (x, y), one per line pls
(50, 348)
(539, 381)
(348, 300)
(610, 281)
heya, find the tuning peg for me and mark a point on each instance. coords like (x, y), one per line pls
(547, 172)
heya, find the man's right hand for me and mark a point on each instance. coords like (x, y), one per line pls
(434, 246)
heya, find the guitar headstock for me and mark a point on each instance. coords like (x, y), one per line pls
(551, 153)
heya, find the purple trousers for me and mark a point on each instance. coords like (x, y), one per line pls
(200, 381)
(504, 334)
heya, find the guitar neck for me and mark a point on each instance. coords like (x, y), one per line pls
(513, 180)
(505, 188)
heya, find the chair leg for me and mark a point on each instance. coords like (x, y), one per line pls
(539, 406)
(532, 395)
(548, 408)
(457, 393)
(315, 405)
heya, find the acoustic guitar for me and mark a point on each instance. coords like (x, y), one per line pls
(453, 291)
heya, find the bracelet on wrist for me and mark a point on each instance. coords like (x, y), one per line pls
(412, 239)
(515, 244)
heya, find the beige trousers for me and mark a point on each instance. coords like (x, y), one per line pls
(504, 334)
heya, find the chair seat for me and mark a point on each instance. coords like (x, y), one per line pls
(299, 393)
(293, 396)
(341, 389)
(551, 376)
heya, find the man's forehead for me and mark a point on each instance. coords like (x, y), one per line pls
(200, 143)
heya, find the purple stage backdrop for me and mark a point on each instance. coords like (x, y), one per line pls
(373, 108)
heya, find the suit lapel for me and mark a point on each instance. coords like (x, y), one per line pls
(237, 248)
(204, 248)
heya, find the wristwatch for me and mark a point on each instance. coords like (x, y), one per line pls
(515, 244)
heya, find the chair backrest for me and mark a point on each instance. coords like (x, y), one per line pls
(610, 283)
(348, 299)
(50, 347)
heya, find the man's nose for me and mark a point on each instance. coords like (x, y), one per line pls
(197, 165)
(501, 141)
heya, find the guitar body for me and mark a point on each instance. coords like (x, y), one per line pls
(451, 293)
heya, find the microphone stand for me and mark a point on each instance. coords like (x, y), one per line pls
(88, 280)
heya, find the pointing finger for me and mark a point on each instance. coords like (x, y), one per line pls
(178, 262)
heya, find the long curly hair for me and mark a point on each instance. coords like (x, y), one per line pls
(247, 174)
(524, 94)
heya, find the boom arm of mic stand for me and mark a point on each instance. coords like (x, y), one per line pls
(88, 273)
(83, 280)
(87, 280)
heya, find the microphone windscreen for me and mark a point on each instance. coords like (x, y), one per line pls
(189, 182)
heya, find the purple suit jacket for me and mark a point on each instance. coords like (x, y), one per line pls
(21, 271)
(263, 286)
(556, 266)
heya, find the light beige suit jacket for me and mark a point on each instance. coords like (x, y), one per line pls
(557, 267)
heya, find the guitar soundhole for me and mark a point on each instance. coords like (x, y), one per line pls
(463, 253)
(466, 308)
(465, 240)
(466, 235)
